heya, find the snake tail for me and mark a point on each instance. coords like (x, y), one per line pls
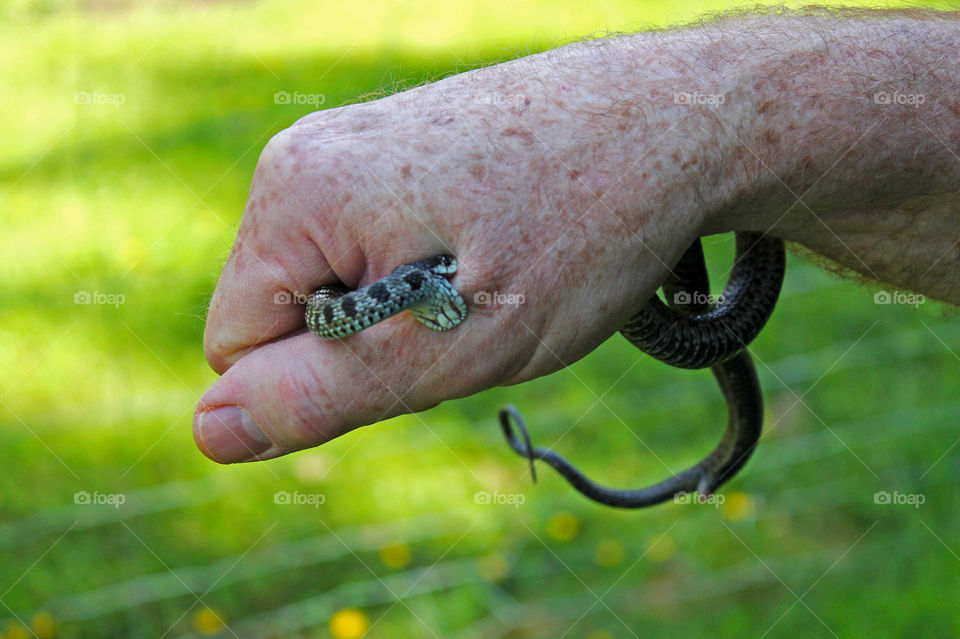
(689, 331)
(704, 477)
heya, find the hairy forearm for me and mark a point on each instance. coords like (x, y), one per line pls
(851, 143)
(840, 132)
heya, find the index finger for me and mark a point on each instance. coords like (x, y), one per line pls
(276, 259)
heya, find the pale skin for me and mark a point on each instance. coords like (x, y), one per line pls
(576, 178)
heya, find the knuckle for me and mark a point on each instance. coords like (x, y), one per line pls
(283, 144)
(283, 157)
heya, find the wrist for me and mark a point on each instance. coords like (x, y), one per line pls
(826, 116)
(646, 149)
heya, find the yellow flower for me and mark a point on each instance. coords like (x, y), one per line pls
(661, 548)
(15, 631)
(349, 624)
(207, 621)
(43, 625)
(395, 555)
(738, 506)
(563, 526)
(608, 553)
(493, 567)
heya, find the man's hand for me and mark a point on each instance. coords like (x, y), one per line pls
(566, 184)
(527, 172)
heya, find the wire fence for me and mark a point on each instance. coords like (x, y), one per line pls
(508, 614)
(278, 558)
(882, 429)
(776, 376)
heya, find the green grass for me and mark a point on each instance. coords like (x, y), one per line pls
(142, 200)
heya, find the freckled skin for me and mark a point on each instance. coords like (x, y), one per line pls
(576, 178)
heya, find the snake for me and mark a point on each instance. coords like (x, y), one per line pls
(335, 311)
(685, 330)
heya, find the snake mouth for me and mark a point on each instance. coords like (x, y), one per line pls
(441, 264)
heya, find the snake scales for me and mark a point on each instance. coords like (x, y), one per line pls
(421, 287)
(686, 331)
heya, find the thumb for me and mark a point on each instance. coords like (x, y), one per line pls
(301, 391)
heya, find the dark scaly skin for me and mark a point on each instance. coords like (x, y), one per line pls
(335, 311)
(694, 335)
(705, 336)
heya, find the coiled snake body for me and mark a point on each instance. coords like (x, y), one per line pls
(686, 331)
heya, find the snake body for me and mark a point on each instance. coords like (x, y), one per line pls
(686, 331)
(421, 287)
(689, 332)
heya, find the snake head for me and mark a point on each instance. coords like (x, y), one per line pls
(441, 264)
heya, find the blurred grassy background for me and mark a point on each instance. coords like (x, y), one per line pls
(141, 200)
